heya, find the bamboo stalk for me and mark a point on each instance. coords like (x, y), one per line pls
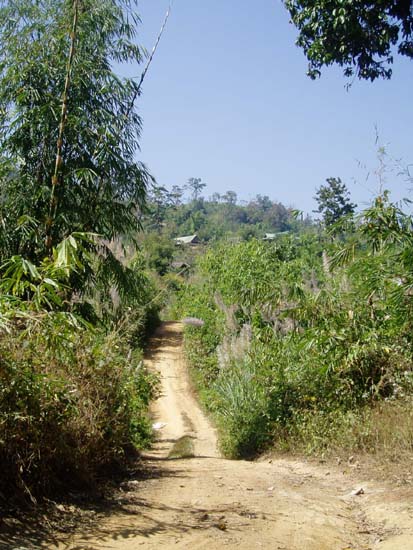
(150, 59)
(57, 178)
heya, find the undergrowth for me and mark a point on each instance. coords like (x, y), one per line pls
(306, 342)
(74, 394)
(68, 410)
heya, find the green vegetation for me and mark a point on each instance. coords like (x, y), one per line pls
(76, 297)
(98, 185)
(184, 211)
(334, 202)
(360, 36)
(73, 401)
(306, 332)
(306, 338)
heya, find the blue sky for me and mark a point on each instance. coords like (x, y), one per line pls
(227, 99)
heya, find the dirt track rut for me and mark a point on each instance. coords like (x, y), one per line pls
(205, 501)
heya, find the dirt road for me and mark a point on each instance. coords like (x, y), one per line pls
(203, 501)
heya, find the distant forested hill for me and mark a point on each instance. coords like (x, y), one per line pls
(185, 211)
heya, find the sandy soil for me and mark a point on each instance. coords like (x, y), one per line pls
(205, 501)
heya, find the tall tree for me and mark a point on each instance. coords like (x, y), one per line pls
(215, 198)
(230, 197)
(159, 201)
(360, 36)
(196, 186)
(334, 201)
(176, 195)
(54, 52)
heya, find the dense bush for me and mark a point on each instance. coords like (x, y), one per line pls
(303, 333)
(72, 401)
(73, 394)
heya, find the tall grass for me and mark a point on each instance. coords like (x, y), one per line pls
(329, 348)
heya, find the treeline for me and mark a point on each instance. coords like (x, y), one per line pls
(306, 341)
(185, 211)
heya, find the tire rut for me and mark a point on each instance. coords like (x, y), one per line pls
(205, 501)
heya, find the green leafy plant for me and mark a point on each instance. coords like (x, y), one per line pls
(95, 184)
(329, 324)
(360, 36)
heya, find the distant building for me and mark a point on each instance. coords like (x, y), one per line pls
(270, 236)
(189, 239)
(273, 236)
